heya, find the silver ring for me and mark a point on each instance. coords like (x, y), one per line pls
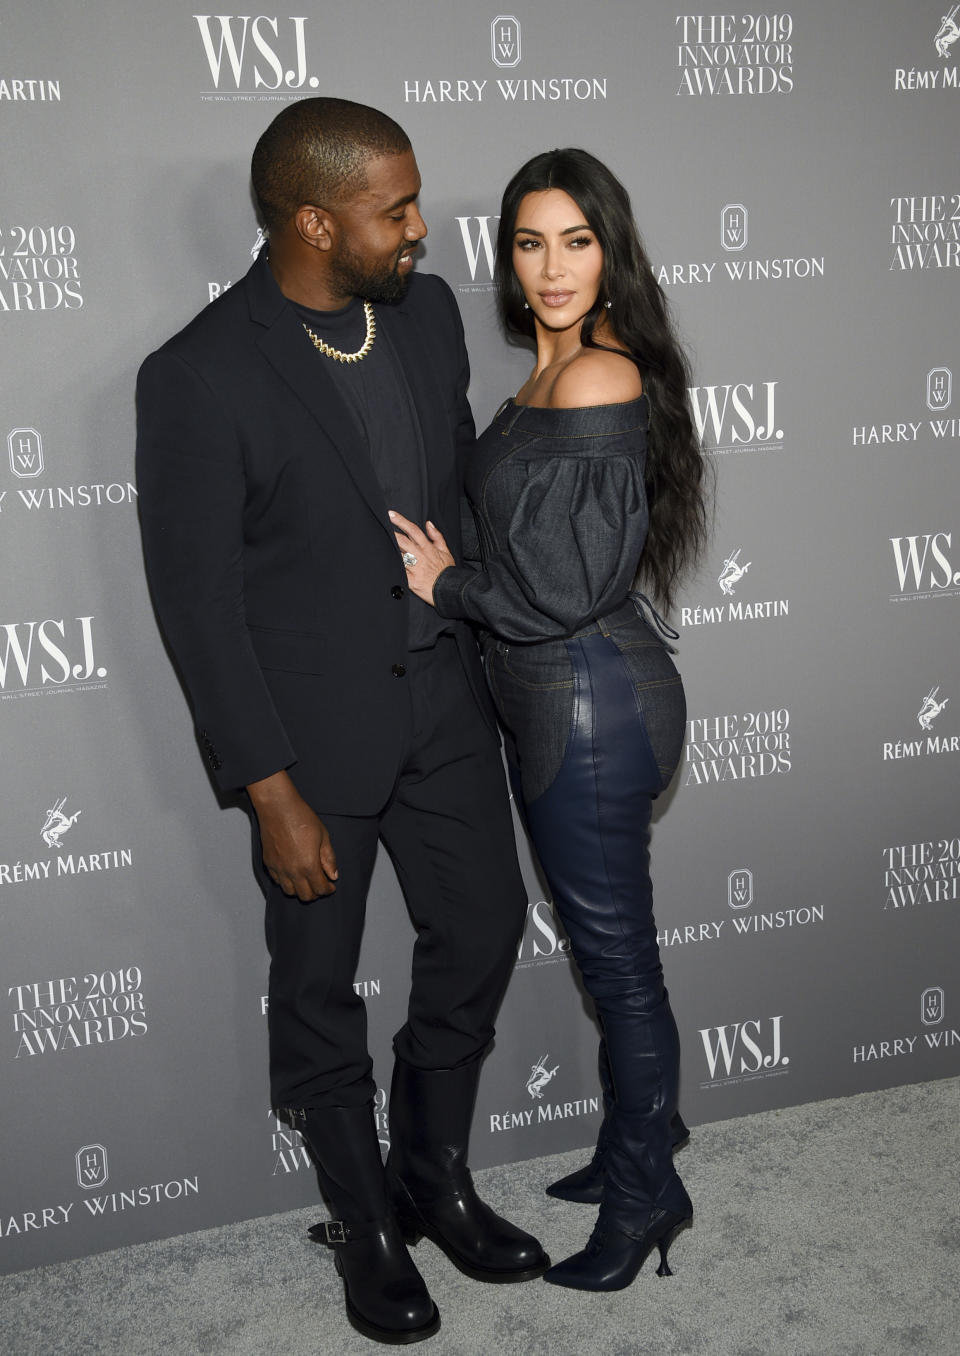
(409, 559)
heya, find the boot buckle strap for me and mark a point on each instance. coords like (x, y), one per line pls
(330, 1231)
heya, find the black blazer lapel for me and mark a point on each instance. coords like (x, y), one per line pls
(288, 349)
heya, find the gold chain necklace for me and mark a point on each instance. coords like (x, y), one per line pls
(330, 352)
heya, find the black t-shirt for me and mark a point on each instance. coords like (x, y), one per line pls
(376, 392)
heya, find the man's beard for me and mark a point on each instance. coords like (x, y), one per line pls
(354, 277)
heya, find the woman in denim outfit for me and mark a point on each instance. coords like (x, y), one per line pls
(590, 480)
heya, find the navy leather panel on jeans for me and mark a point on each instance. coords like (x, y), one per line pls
(591, 829)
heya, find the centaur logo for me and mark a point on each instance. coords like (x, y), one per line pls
(91, 1166)
(478, 238)
(244, 54)
(737, 416)
(735, 1053)
(505, 40)
(540, 1076)
(923, 566)
(732, 572)
(947, 33)
(930, 708)
(56, 824)
(25, 447)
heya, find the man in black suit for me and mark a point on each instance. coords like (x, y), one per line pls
(275, 433)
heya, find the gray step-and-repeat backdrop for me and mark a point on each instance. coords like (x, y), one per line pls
(795, 176)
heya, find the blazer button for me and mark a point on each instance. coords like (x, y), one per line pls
(399, 670)
(396, 591)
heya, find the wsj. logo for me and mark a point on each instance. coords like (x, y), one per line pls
(939, 389)
(737, 1050)
(478, 239)
(932, 1006)
(732, 572)
(540, 1076)
(947, 33)
(259, 69)
(733, 226)
(922, 563)
(542, 937)
(740, 888)
(259, 243)
(26, 453)
(930, 708)
(31, 646)
(91, 1166)
(736, 416)
(56, 824)
(505, 40)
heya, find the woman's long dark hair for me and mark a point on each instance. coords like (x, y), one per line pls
(637, 314)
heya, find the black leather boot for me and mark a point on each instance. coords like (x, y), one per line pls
(430, 1185)
(385, 1295)
(585, 1185)
(644, 1203)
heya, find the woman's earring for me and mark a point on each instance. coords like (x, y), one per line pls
(608, 304)
(526, 305)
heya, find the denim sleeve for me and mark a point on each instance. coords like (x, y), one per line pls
(569, 551)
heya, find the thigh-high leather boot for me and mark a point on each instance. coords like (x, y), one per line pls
(585, 1185)
(430, 1184)
(643, 1203)
(385, 1294)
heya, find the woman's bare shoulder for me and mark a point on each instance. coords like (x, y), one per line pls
(596, 377)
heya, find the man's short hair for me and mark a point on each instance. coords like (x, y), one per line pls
(316, 151)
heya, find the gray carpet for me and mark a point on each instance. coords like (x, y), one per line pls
(823, 1230)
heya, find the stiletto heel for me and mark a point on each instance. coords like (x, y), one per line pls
(612, 1258)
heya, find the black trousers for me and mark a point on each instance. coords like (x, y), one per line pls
(449, 832)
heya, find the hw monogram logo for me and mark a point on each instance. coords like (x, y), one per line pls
(91, 1166)
(733, 226)
(740, 888)
(932, 1006)
(26, 453)
(540, 1076)
(505, 40)
(939, 389)
(732, 572)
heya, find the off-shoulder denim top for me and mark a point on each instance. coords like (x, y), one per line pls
(561, 515)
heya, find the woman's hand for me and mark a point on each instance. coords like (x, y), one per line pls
(429, 550)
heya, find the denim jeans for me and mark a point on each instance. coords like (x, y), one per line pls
(595, 727)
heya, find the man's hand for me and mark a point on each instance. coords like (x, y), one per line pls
(297, 852)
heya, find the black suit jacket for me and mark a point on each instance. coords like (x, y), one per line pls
(272, 562)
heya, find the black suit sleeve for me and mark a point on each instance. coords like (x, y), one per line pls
(466, 435)
(192, 492)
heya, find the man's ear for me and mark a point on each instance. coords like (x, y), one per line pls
(315, 226)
